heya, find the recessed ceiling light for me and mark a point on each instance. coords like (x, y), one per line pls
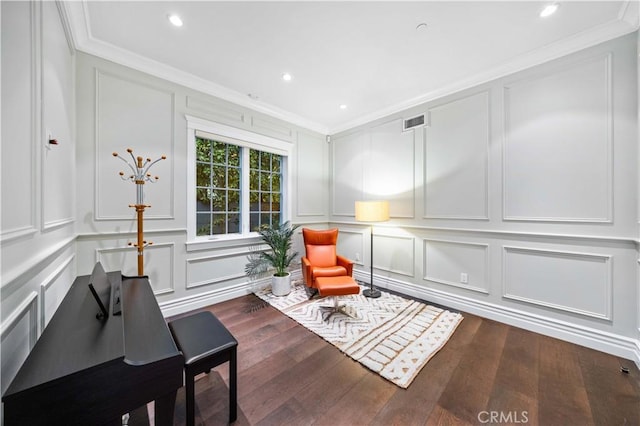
(175, 20)
(286, 76)
(549, 10)
(343, 106)
(421, 26)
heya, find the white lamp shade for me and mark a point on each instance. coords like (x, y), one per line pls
(372, 211)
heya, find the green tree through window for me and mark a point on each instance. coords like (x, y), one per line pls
(219, 187)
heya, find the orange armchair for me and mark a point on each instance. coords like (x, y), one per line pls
(321, 259)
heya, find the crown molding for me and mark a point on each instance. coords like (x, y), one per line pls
(628, 20)
(85, 42)
(630, 13)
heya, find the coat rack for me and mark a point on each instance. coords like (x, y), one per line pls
(139, 177)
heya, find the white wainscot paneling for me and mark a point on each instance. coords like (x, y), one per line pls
(276, 129)
(19, 334)
(347, 173)
(390, 169)
(58, 161)
(394, 254)
(351, 245)
(558, 149)
(579, 283)
(158, 264)
(54, 288)
(312, 197)
(220, 113)
(216, 268)
(132, 115)
(456, 159)
(445, 262)
(19, 128)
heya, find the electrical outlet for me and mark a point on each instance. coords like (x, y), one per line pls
(357, 257)
(464, 278)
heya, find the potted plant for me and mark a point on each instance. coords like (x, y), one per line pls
(278, 238)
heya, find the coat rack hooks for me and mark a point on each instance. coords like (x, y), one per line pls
(140, 175)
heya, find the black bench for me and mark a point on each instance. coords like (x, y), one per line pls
(205, 343)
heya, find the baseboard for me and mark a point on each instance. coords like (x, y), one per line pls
(637, 355)
(610, 343)
(201, 300)
(614, 344)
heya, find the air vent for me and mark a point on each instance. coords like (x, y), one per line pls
(411, 123)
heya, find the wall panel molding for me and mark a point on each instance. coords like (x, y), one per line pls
(315, 166)
(47, 282)
(21, 273)
(347, 168)
(102, 157)
(583, 129)
(153, 278)
(595, 239)
(582, 335)
(389, 167)
(397, 265)
(192, 283)
(461, 245)
(464, 154)
(57, 164)
(272, 128)
(361, 245)
(224, 113)
(29, 160)
(28, 306)
(566, 277)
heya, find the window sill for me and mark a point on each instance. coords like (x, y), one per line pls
(224, 241)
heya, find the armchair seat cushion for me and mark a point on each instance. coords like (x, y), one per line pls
(321, 258)
(329, 271)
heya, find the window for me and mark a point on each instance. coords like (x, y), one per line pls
(238, 181)
(265, 189)
(217, 187)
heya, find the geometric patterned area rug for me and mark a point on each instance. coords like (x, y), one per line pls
(392, 336)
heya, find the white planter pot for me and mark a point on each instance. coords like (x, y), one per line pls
(281, 286)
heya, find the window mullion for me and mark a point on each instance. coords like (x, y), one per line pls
(244, 191)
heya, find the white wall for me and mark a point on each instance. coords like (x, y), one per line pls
(94, 107)
(119, 108)
(541, 221)
(527, 184)
(38, 179)
(638, 193)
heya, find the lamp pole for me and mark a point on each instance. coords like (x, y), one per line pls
(371, 292)
(372, 211)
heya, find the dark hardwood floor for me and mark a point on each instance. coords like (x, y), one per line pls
(488, 373)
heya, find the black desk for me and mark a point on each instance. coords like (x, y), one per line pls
(89, 372)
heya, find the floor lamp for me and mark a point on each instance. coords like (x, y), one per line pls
(372, 211)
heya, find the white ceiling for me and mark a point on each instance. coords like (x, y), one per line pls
(367, 55)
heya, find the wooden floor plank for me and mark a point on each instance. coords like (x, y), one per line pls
(288, 383)
(600, 371)
(414, 405)
(515, 389)
(289, 376)
(562, 397)
(361, 403)
(475, 373)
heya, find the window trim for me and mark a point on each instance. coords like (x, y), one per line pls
(246, 139)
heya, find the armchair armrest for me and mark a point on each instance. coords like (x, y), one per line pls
(306, 271)
(346, 264)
